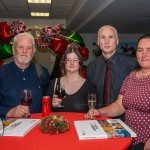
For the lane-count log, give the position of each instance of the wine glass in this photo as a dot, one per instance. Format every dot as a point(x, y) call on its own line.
point(26, 99)
point(1, 128)
point(91, 101)
point(60, 92)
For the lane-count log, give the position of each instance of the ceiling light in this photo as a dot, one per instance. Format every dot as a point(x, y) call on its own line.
point(39, 1)
point(39, 14)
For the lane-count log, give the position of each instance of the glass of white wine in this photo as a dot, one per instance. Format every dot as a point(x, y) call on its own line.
point(91, 101)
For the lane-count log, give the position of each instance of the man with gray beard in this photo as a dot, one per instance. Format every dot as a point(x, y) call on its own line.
point(21, 74)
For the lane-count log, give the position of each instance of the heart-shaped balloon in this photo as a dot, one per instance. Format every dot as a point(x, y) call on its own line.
point(58, 45)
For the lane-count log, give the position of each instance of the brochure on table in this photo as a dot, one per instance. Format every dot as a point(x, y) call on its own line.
point(18, 127)
point(98, 129)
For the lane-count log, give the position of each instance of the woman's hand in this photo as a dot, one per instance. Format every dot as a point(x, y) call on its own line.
point(113, 110)
point(147, 145)
point(56, 101)
point(92, 113)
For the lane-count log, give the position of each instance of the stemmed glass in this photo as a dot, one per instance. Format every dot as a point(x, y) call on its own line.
point(60, 92)
point(1, 128)
point(91, 101)
point(26, 99)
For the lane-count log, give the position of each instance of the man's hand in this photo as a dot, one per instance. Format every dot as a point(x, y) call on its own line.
point(18, 111)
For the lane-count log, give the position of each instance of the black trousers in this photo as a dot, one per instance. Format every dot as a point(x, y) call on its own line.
point(140, 146)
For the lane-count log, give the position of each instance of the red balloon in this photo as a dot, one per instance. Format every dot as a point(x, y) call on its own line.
point(1, 63)
point(5, 35)
point(4, 25)
point(84, 52)
point(83, 73)
point(58, 45)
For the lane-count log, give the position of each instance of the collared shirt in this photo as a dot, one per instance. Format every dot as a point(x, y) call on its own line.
point(120, 66)
point(13, 80)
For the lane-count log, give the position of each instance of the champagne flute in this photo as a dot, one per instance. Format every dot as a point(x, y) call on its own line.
point(60, 92)
point(26, 99)
point(91, 101)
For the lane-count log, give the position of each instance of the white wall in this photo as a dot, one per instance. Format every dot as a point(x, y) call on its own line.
point(128, 37)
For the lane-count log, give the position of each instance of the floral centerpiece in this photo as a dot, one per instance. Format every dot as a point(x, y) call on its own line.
point(54, 124)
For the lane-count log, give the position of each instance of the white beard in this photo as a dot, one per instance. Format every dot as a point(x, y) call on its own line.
point(19, 60)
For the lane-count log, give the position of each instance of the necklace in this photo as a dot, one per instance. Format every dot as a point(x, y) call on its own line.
point(72, 87)
point(75, 81)
point(144, 74)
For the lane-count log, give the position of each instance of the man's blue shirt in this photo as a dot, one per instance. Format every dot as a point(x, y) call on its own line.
point(13, 80)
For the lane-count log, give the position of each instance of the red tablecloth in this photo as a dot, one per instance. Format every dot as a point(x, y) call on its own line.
point(36, 140)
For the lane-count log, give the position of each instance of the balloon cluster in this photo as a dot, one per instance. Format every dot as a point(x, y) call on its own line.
point(97, 51)
point(54, 39)
point(50, 37)
point(7, 32)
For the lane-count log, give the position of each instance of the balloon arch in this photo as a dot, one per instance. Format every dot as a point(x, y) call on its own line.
point(48, 37)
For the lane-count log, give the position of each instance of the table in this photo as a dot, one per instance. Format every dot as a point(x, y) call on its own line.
point(36, 140)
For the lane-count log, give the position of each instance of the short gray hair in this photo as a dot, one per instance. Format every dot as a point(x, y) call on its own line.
point(26, 35)
point(116, 33)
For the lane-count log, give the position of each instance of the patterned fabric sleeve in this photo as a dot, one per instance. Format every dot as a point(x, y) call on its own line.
point(125, 82)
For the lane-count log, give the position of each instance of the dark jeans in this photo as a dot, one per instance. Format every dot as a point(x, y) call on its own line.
point(140, 146)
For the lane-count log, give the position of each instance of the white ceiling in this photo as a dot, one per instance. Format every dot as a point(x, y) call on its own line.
point(87, 16)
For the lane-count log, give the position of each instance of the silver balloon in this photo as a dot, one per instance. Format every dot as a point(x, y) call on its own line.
point(35, 31)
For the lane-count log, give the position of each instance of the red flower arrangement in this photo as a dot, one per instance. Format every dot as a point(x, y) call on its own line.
point(54, 124)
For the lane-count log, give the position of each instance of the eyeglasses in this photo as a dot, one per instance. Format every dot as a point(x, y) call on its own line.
point(75, 60)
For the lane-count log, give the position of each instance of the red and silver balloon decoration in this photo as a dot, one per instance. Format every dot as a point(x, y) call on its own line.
point(57, 28)
point(17, 27)
point(47, 34)
point(48, 37)
point(40, 43)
